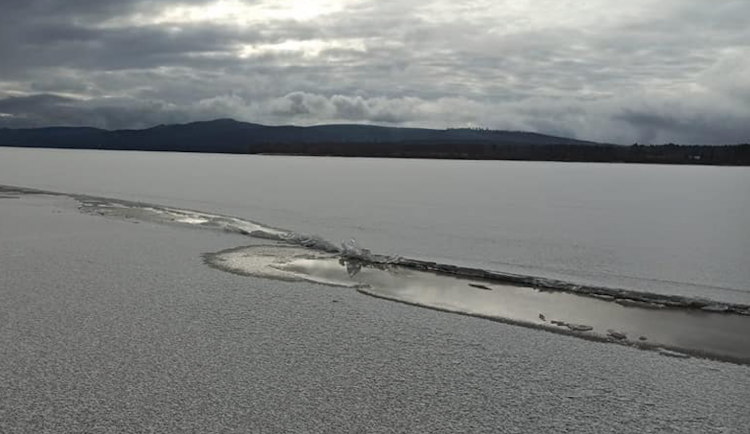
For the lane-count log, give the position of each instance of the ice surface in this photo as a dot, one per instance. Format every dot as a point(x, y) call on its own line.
point(114, 327)
point(677, 230)
point(351, 250)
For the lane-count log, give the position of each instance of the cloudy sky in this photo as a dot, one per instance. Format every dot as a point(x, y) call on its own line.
point(616, 71)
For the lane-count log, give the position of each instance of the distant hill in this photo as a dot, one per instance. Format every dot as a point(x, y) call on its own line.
point(230, 136)
point(227, 135)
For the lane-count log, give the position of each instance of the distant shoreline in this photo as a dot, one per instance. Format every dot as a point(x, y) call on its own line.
point(728, 155)
point(227, 136)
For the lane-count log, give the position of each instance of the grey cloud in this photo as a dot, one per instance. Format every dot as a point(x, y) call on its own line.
point(77, 9)
point(50, 110)
point(141, 47)
point(675, 74)
point(20, 105)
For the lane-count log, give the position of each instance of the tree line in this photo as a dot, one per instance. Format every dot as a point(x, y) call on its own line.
point(654, 154)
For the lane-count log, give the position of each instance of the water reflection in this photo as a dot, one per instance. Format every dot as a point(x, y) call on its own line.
point(710, 334)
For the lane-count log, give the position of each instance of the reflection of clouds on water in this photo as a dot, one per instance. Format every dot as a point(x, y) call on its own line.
point(708, 334)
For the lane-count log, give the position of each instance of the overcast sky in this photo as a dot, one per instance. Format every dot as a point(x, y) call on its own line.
point(616, 71)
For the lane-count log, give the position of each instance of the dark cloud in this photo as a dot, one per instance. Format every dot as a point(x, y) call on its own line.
point(51, 110)
point(62, 10)
point(640, 71)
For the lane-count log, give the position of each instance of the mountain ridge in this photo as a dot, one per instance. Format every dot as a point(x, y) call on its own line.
point(352, 140)
point(229, 135)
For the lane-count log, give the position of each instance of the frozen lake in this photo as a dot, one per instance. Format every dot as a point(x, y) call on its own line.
point(117, 325)
point(111, 326)
point(663, 229)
